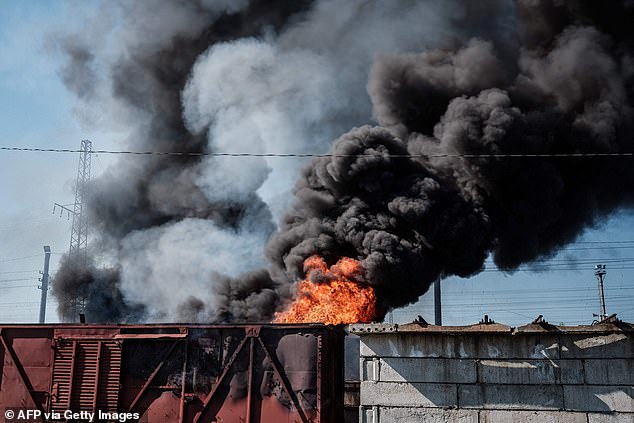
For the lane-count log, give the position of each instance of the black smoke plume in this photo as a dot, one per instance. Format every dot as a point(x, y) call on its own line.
point(163, 39)
point(79, 285)
point(440, 213)
point(480, 112)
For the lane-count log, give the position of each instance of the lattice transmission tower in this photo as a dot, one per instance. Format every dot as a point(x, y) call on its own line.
point(78, 251)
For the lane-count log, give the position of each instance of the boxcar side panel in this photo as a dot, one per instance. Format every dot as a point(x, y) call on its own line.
point(193, 373)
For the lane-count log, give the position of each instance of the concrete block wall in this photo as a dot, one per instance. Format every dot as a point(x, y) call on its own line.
point(493, 373)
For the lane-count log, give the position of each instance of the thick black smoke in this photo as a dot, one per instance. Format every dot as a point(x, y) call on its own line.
point(79, 285)
point(454, 87)
point(406, 224)
point(567, 90)
point(163, 41)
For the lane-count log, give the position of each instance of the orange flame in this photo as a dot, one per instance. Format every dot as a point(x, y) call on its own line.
point(340, 300)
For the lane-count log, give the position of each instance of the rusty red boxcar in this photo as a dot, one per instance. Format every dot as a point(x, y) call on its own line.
point(175, 373)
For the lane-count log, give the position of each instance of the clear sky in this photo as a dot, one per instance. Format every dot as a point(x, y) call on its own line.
point(37, 111)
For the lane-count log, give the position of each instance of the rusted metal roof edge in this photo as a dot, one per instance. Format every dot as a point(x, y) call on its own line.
point(490, 328)
point(167, 330)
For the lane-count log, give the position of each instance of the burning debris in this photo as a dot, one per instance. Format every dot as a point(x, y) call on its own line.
point(370, 201)
point(332, 295)
point(480, 110)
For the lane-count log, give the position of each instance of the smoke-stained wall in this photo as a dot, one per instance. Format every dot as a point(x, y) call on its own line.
point(455, 89)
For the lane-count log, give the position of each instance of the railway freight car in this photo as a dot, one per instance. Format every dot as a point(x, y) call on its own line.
point(173, 373)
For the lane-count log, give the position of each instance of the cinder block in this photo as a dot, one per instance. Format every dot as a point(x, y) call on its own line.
point(614, 345)
point(615, 371)
point(513, 416)
point(520, 346)
point(370, 368)
point(503, 346)
point(440, 370)
point(530, 372)
point(523, 397)
point(408, 394)
point(418, 345)
point(368, 414)
point(598, 398)
point(417, 415)
point(611, 418)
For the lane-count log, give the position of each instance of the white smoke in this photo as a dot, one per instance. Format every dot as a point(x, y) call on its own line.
point(162, 267)
point(296, 92)
point(291, 86)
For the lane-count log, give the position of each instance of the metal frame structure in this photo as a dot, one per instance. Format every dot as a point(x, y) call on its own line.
point(79, 231)
point(189, 374)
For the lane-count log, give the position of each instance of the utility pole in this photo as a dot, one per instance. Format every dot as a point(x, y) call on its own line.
point(437, 303)
point(44, 280)
point(79, 232)
point(599, 272)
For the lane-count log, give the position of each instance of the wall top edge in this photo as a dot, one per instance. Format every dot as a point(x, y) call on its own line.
point(489, 328)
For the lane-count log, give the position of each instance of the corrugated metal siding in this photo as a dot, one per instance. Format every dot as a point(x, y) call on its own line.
point(62, 369)
point(86, 375)
point(108, 392)
point(186, 373)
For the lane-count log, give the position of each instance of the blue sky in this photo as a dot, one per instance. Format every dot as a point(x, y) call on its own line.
point(569, 295)
point(37, 111)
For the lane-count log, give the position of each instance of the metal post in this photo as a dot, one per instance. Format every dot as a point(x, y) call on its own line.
point(250, 382)
point(437, 304)
point(44, 287)
point(181, 410)
point(599, 271)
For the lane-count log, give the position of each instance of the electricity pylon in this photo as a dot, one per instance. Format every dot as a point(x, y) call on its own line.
point(79, 232)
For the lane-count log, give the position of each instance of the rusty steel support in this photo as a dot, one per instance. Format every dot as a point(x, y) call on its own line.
point(72, 375)
point(250, 385)
point(152, 376)
point(18, 366)
point(97, 372)
point(319, 377)
point(221, 379)
point(285, 382)
point(52, 393)
point(252, 374)
point(181, 410)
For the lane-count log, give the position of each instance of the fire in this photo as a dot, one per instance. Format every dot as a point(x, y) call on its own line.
point(337, 300)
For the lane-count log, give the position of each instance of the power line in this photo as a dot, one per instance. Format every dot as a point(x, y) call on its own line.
point(300, 155)
point(19, 258)
point(18, 286)
point(585, 260)
point(540, 291)
point(604, 242)
point(540, 303)
point(544, 269)
point(16, 280)
point(545, 265)
point(616, 247)
point(22, 303)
